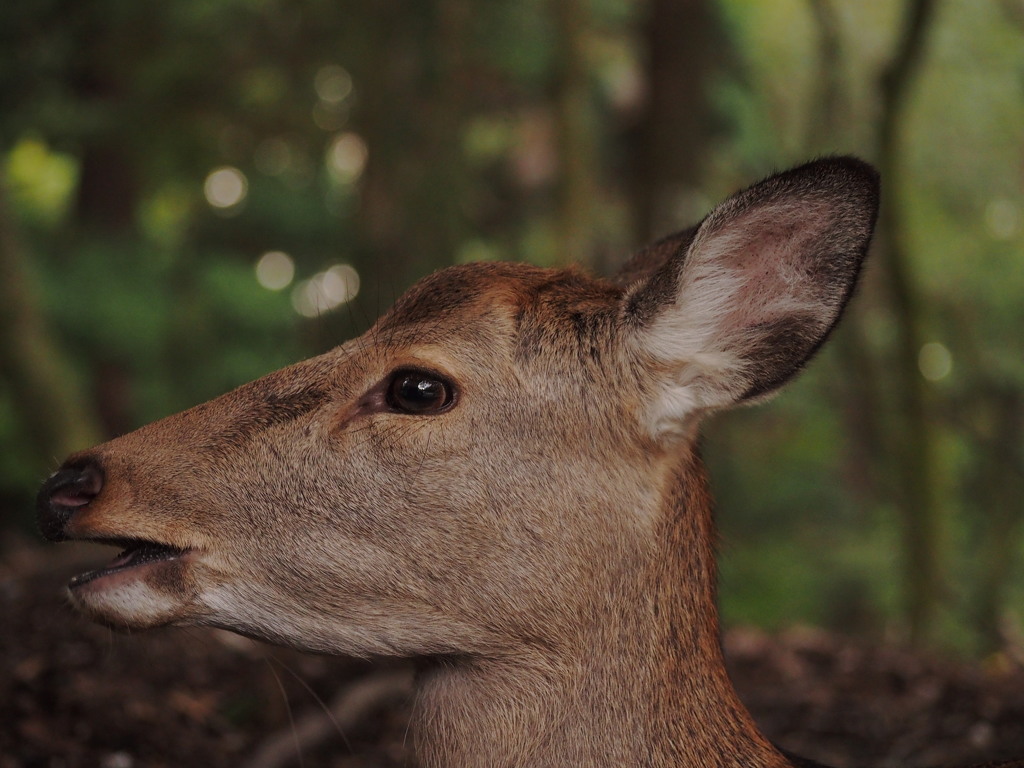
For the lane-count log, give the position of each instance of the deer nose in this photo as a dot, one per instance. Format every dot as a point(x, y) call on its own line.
point(68, 490)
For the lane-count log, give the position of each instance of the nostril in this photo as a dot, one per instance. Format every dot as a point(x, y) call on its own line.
point(76, 495)
point(67, 490)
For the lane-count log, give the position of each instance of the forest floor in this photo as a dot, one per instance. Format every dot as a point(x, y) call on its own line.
point(74, 694)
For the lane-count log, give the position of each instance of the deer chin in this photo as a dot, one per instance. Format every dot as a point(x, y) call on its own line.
point(147, 585)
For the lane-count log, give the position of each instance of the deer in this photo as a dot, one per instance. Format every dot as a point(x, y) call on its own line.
point(501, 479)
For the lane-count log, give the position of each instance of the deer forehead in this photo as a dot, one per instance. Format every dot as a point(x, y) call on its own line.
point(490, 316)
point(461, 297)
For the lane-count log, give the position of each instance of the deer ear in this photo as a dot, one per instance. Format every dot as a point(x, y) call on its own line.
point(729, 311)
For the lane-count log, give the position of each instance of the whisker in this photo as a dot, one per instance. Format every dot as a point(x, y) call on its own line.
point(288, 708)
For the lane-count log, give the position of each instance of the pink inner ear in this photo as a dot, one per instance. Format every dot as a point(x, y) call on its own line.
point(772, 262)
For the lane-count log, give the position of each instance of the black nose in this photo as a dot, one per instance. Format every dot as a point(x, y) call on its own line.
point(67, 490)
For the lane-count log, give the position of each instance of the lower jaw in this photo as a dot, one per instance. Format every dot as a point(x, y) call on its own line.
point(135, 597)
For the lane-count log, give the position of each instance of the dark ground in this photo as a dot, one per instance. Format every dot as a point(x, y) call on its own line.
point(74, 694)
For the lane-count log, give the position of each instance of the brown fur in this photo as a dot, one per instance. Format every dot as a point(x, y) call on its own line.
point(540, 544)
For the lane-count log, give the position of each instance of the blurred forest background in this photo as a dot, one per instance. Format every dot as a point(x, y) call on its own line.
point(197, 192)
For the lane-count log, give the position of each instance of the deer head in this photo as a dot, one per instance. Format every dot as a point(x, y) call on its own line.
point(498, 478)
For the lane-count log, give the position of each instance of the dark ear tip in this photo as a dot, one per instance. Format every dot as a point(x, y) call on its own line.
point(845, 170)
point(848, 163)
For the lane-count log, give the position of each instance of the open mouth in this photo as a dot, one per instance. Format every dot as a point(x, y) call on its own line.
point(135, 553)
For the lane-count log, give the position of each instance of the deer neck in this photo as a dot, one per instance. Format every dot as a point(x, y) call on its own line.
point(643, 685)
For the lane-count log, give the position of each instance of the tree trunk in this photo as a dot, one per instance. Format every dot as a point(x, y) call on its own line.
point(998, 490)
point(578, 184)
point(924, 536)
point(411, 107)
point(684, 46)
point(105, 206)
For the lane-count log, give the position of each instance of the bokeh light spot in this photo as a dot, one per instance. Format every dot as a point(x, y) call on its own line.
point(346, 157)
point(225, 187)
point(275, 270)
point(935, 361)
point(1003, 219)
point(326, 290)
point(333, 84)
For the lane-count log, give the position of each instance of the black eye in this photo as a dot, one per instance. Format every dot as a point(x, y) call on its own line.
point(419, 392)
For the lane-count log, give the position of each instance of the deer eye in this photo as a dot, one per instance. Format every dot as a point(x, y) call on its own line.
point(419, 392)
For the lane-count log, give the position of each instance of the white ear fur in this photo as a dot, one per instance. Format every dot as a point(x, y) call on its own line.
point(760, 286)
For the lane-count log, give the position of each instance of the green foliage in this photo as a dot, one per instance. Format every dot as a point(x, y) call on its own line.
point(40, 181)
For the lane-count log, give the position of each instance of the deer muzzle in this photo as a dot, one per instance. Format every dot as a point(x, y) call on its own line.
point(70, 507)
